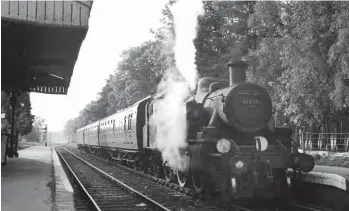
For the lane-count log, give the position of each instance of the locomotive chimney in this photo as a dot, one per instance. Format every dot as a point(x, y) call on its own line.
point(237, 72)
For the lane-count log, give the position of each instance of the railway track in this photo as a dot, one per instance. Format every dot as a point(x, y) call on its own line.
point(165, 185)
point(105, 192)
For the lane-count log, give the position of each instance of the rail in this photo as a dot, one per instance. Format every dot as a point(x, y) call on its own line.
point(122, 185)
point(79, 182)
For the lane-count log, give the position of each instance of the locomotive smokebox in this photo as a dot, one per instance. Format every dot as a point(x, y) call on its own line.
point(237, 72)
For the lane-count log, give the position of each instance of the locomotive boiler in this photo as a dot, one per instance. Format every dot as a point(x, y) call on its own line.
point(231, 146)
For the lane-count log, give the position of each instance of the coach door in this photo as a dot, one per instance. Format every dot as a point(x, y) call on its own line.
point(83, 136)
point(146, 126)
point(129, 138)
point(151, 128)
point(128, 129)
point(98, 132)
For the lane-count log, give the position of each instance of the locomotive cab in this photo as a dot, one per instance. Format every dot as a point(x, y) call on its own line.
point(207, 85)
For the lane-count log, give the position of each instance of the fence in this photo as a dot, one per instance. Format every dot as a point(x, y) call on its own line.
point(337, 142)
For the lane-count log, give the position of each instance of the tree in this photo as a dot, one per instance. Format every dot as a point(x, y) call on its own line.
point(23, 117)
point(223, 34)
point(303, 52)
point(300, 38)
point(70, 129)
point(37, 132)
point(138, 73)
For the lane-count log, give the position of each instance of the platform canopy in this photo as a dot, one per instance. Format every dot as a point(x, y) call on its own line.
point(40, 43)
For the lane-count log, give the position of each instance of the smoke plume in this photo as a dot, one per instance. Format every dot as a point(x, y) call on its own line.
point(170, 113)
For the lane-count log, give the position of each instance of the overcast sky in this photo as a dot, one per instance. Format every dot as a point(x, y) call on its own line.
point(114, 25)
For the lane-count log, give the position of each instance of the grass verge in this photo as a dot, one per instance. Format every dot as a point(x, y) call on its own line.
point(340, 159)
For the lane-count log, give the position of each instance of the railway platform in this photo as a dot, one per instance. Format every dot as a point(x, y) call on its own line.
point(333, 175)
point(327, 175)
point(35, 181)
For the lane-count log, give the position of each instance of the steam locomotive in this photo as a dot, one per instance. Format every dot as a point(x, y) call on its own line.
point(231, 146)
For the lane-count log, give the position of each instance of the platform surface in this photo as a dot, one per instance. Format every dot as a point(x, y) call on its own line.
point(326, 175)
point(27, 182)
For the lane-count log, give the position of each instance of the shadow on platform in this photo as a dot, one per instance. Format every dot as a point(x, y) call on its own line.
point(27, 181)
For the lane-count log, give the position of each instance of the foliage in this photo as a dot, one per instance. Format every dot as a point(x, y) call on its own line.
point(223, 35)
point(137, 74)
point(340, 159)
point(303, 51)
point(36, 134)
point(23, 117)
point(70, 129)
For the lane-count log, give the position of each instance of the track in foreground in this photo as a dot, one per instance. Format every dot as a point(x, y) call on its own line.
point(104, 191)
point(109, 167)
point(108, 193)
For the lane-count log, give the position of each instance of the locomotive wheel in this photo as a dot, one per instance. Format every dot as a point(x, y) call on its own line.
point(134, 166)
point(153, 168)
point(198, 181)
point(129, 164)
point(168, 173)
point(156, 170)
point(92, 151)
point(281, 189)
point(182, 178)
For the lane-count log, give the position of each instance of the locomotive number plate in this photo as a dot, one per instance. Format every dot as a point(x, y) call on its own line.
point(251, 99)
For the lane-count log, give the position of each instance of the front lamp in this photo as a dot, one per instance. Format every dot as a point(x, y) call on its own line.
point(239, 164)
point(223, 145)
point(261, 143)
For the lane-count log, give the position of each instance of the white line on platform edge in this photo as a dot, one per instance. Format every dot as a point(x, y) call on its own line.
point(326, 179)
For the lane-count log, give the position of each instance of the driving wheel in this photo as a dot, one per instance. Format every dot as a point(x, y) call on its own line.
point(168, 173)
point(198, 181)
point(182, 178)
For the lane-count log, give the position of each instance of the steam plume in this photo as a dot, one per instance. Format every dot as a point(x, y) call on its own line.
point(170, 114)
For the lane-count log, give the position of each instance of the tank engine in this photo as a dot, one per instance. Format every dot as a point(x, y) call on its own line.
point(234, 145)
